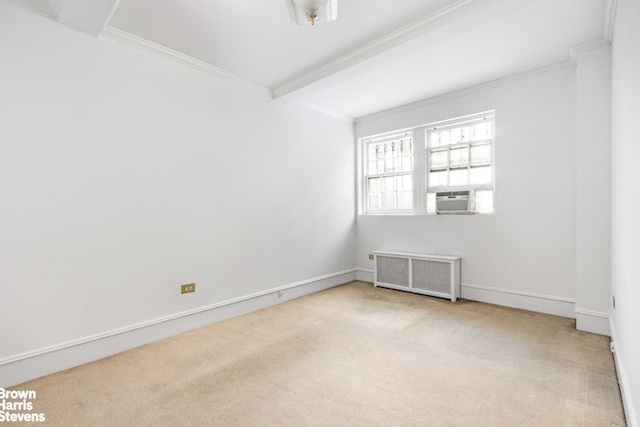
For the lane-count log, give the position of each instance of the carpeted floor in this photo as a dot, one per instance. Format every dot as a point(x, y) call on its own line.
point(354, 355)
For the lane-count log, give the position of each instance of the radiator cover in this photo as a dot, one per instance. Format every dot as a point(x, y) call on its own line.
point(435, 275)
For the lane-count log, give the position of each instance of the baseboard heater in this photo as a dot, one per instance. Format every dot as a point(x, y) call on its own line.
point(435, 275)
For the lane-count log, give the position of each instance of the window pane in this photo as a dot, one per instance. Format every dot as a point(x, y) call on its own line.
point(459, 156)
point(376, 151)
point(458, 177)
point(389, 200)
point(397, 164)
point(438, 139)
point(388, 165)
point(405, 200)
point(437, 178)
point(375, 201)
point(481, 175)
point(407, 164)
point(380, 168)
point(406, 147)
point(388, 183)
point(375, 185)
point(460, 134)
point(373, 167)
point(405, 182)
point(438, 159)
point(484, 201)
point(388, 150)
point(481, 131)
point(481, 153)
point(434, 139)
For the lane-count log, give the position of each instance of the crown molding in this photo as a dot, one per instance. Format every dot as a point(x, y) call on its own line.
point(610, 8)
point(492, 84)
point(409, 32)
point(577, 49)
point(146, 45)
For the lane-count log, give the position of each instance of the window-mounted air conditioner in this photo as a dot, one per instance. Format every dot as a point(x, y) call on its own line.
point(455, 202)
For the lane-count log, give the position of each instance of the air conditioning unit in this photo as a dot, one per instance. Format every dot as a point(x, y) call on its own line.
point(455, 202)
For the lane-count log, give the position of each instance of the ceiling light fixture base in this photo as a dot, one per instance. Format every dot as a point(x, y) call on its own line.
point(304, 12)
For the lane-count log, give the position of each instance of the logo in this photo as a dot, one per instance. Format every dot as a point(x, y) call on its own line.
point(17, 406)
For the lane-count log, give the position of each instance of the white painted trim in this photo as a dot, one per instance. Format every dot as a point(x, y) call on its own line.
point(623, 379)
point(26, 366)
point(409, 32)
point(482, 87)
point(592, 321)
point(548, 304)
point(608, 26)
point(146, 45)
point(587, 46)
point(364, 275)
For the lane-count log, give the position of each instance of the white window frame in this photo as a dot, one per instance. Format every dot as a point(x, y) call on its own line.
point(468, 165)
point(422, 190)
point(367, 174)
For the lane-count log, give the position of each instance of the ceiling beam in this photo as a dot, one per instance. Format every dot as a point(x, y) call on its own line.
point(379, 46)
point(90, 16)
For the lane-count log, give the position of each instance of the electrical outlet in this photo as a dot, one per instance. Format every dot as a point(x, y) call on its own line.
point(188, 288)
point(371, 257)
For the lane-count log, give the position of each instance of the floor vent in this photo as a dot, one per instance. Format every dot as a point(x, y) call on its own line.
point(435, 275)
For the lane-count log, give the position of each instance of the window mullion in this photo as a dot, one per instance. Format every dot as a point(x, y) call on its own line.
point(420, 167)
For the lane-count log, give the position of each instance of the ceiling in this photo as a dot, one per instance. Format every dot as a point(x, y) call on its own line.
point(378, 55)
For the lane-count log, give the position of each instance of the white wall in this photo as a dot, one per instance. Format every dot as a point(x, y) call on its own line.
point(593, 168)
point(525, 254)
point(625, 202)
point(124, 175)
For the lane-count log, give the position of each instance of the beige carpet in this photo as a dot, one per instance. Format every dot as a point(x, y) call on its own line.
point(354, 355)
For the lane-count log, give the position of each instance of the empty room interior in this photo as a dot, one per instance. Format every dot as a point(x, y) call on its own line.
point(306, 212)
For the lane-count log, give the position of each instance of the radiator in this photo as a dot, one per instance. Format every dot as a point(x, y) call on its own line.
point(435, 275)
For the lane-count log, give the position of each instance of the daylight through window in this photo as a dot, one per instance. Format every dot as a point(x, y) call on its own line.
point(389, 174)
point(451, 156)
point(460, 156)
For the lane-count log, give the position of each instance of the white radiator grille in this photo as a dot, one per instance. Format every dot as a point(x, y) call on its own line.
point(393, 270)
point(431, 275)
point(437, 275)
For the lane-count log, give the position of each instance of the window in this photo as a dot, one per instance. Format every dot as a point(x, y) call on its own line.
point(460, 156)
point(403, 171)
point(389, 174)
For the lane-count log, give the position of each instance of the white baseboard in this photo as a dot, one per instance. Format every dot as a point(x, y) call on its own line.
point(549, 304)
point(364, 275)
point(592, 321)
point(27, 366)
point(623, 379)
